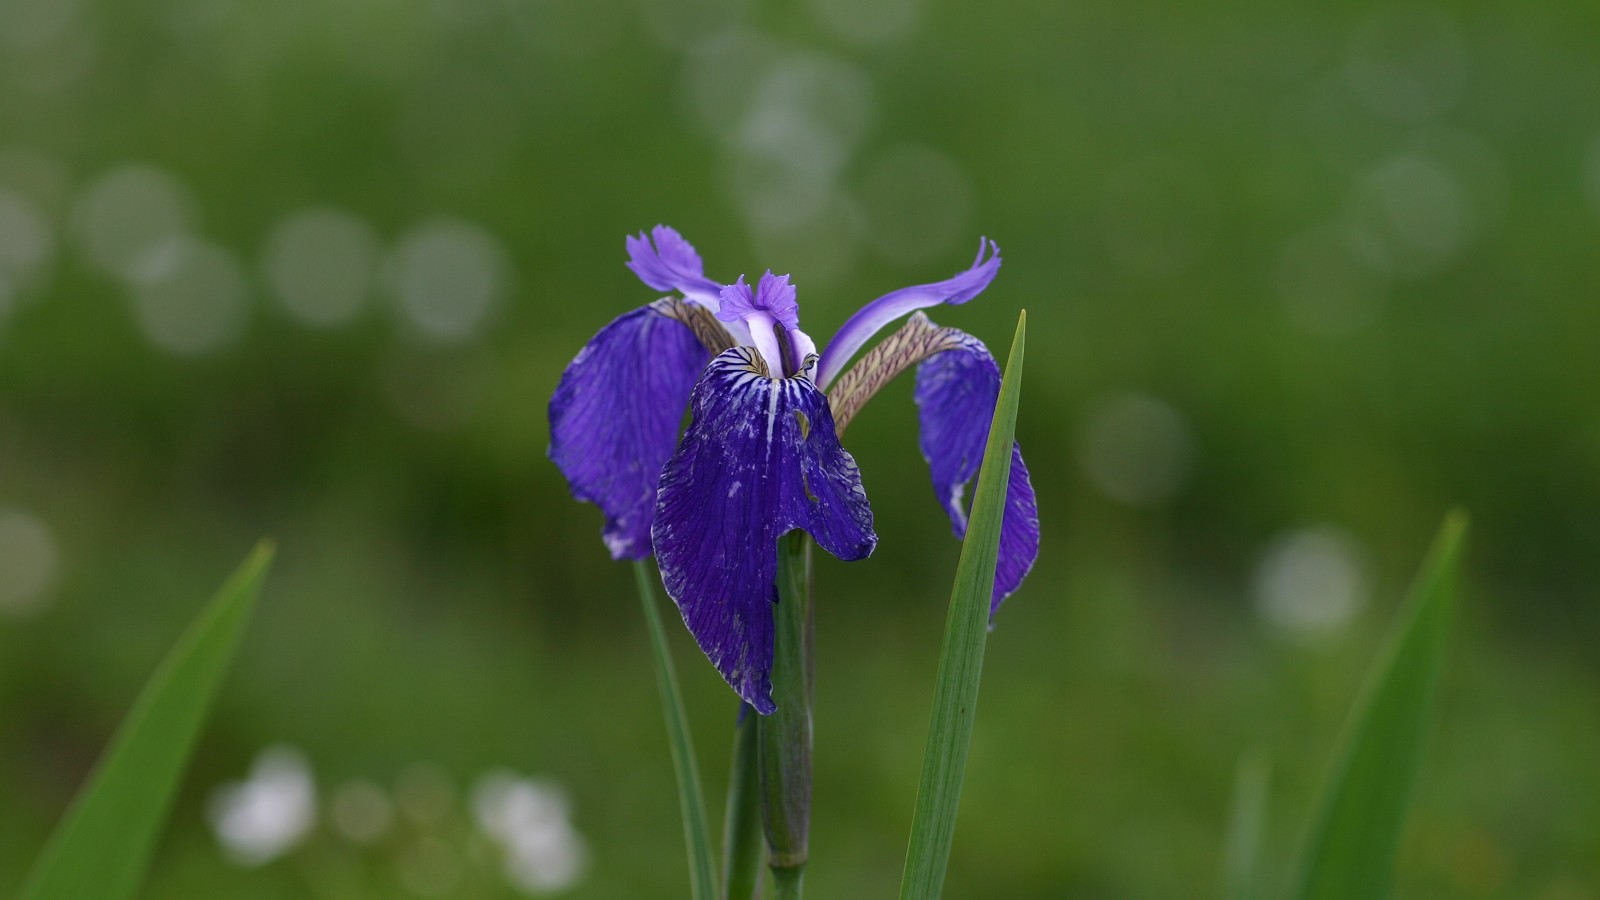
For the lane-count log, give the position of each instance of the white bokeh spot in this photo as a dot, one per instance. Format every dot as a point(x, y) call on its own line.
point(268, 814)
point(1312, 581)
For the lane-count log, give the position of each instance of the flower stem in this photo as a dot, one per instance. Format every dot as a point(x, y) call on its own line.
point(786, 883)
point(702, 877)
point(741, 825)
point(784, 738)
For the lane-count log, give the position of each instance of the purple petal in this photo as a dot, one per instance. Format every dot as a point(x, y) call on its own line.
point(773, 295)
point(671, 264)
point(875, 315)
point(760, 458)
point(614, 419)
point(956, 394)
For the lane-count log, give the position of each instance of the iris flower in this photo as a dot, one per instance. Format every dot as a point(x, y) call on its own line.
point(761, 455)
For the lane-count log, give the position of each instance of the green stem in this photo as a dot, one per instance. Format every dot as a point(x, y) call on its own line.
point(696, 834)
point(784, 738)
point(786, 883)
point(741, 832)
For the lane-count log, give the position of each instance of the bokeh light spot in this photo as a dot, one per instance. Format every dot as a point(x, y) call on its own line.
point(25, 23)
point(127, 213)
point(28, 563)
point(1135, 448)
point(867, 21)
point(447, 276)
point(191, 297)
point(1312, 581)
point(1408, 62)
point(320, 263)
point(265, 816)
point(361, 811)
point(531, 821)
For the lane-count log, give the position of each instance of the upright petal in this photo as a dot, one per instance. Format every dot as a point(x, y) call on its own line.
point(615, 414)
point(667, 262)
point(956, 393)
point(760, 458)
point(875, 315)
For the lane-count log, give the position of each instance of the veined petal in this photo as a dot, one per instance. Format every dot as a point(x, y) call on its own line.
point(667, 262)
point(760, 458)
point(956, 393)
point(875, 315)
point(615, 414)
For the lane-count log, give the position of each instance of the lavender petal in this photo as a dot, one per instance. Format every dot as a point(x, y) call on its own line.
point(667, 262)
point(871, 319)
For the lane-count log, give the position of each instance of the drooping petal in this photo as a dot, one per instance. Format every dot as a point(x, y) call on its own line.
point(615, 414)
point(860, 328)
point(760, 458)
point(667, 262)
point(956, 393)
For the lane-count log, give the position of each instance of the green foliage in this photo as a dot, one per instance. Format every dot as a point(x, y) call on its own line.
point(741, 827)
point(1241, 875)
point(1355, 835)
point(955, 697)
point(691, 799)
point(783, 739)
point(103, 846)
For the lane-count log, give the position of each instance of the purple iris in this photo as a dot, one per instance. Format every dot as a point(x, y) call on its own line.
point(761, 456)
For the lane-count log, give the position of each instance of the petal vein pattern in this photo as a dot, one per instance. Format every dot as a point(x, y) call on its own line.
point(615, 414)
point(760, 458)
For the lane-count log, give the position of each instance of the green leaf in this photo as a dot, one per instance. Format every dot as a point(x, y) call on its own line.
point(1351, 846)
point(955, 697)
point(1241, 876)
point(103, 846)
point(691, 799)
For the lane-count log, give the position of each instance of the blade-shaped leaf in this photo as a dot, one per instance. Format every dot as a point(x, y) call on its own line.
point(103, 846)
point(1354, 838)
point(691, 799)
point(955, 696)
point(1241, 875)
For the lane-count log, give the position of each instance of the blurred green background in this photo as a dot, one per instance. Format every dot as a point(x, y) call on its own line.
point(1299, 278)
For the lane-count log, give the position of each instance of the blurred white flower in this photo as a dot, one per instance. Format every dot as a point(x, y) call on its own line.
point(529, 819)
point(266, 815)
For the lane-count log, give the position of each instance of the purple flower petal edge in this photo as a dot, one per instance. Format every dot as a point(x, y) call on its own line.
point(872, 318)
point(956, 394)
point(614, 419)
point(667, 262)
point(760, 458)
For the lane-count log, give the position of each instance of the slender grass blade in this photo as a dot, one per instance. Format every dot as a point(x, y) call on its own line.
point(103, 846)
point(955, 697)
point(1242, 878)
point(1354, 838)
point(691, 799)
